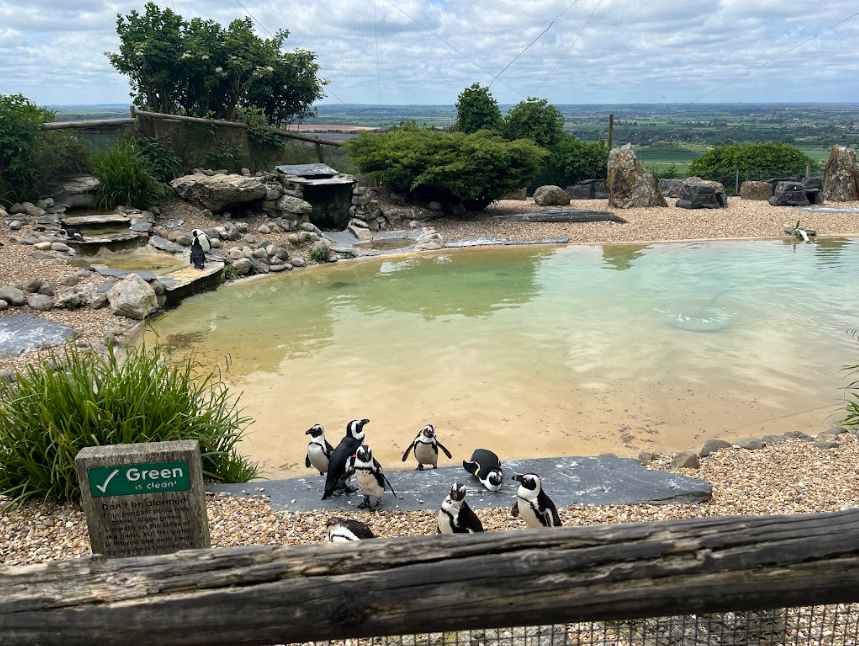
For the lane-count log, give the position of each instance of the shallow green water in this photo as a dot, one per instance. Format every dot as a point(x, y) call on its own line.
point(158, 262)
point(537, 351)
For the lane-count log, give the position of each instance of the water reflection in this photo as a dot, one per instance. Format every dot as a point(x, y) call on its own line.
point(828, 250)
point(621, 257)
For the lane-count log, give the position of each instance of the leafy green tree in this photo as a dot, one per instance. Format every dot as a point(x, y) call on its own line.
point(753, 161)
point(473, 169)
point(201, 69)
point(572, 161)
point(535, 119)
point(476, 109)
point(20, 133)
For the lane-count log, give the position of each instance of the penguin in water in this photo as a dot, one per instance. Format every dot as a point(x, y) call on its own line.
point(339, 456)
point(426, 446)
point(371, 479)
point(455, 516)
point(198, 256)
point(344, 530)
point(532, 504)
point(70, 233)
point(203, 239)
point(486, 467)
point(318, 449)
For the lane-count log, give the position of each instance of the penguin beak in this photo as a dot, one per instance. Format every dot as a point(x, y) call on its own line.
point(308, 431)
point(517, 478)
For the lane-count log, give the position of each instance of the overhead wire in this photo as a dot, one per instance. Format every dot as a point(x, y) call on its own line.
point(755, 69)
point(378, 74)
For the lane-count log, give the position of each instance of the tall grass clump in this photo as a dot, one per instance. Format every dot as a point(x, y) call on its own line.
point(851, 392)
point(78, 398)
point(127, 177)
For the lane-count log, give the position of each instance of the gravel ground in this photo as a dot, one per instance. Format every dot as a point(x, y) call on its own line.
point(789, 478)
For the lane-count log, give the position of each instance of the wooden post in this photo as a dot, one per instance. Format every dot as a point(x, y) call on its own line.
point(267, 594)
point(807, 171)
point(132, 112)
point(610, 130)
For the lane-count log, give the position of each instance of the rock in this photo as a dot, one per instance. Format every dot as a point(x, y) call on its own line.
point(645, 457)
point(686, 460)
point(15, 209)
point(670, 187)
point(756, 190)
point(157, 287)
point(711, 446)
point(309, 227)
point(242, 266)
point(304, 236)
point(813, 195)
point(293, 238)
point(70, 281)
point(41, 255)
point(272, 194)
point(215, 243)
point(78, 191)
point(264, 229)
point(283, 254)
point(32, 210)
point(297, 262)
point(293, 205)
point(629, 184)
point(132, 297)
point(551, 195)
point(216, 192)
point(246, 172)
point(47, 289)
point(798, 435)
point(7, 374)
point(33, 286)
point(260, 253)
point(518, 194)
point(435, 206)
point(841, 177)
point(165, 245)
point(749, 443)
point(83, 273)
point(59, 246)
point(835, 430)
point(235, 254)
point(141, 227)
point(46, 203)
point(184, 240)
point(701, 196)
point(15, 225)
point(822, 444)
point(241, 227)
point(40, 302)
point(13, 296)
point(21, 333)
point(275, 267)
point(3, 305)
point(43, 246)
point(789, 194)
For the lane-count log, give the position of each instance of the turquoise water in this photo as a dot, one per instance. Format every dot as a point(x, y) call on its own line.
point(536, 351)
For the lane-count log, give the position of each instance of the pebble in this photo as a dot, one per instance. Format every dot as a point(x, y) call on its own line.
point(59, 246)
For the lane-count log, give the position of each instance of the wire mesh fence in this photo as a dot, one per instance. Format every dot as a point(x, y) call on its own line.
point(829, 625)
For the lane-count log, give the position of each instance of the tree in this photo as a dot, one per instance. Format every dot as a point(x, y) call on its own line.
point(537, 120)
point(753, 161)
point(476, 109)
point(201, 69)
point(20, 132)
point(572, 161)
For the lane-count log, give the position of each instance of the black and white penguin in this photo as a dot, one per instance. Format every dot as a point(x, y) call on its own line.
point(426, 446)
point(532, 504)
point(455, 516)
point(198, 256)
point(486, 467)
point(340, 455)
point(344, 530)
point(200, 235)
point(371, 479)
point(70, 233)
point(318, 450)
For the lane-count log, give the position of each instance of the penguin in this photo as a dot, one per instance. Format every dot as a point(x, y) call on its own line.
point(455, 516)
point(426, 446)
point(198, 256)
point(532, 504)
point(318, 449)
point(339, 456)
point(71, 233)
point(486, 467)
point(200, 235)
point(371, 479)
point(344, 530)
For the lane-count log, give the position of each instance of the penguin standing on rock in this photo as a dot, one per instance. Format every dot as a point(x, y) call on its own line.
point(340, 455)
point(532, 504)
point(344, 530)
point(371, 479)
point(455, 516)
point(203, 239)
point(486, 467)
point(198, 256)
point(426, 446)
point(318, 449)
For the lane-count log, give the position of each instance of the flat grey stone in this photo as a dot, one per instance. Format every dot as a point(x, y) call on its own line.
point(798, 435)
point(165, 245)
point(94, 220)
point(822, 444)
point(173, 224)
point(750, 444)
point(141, 227)
point(827, 209)
point(711, 446)
point(307, 170)
point(110, 272)
point(561, 215)
point(585, 480)
point(835, 430)
point(21, 333)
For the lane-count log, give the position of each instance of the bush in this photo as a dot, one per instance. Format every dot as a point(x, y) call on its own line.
point(320, 254)
point(476, 109)
point(571, 161)
point(474, 169)
point(753, 161)
point(535, 119)
point(164, 164)
point(59, 154)
point(226, 156)
point(81, 399)
point(126, 177)
point(20, 131)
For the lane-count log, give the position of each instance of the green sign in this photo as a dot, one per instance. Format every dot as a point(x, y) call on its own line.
point(129, 479)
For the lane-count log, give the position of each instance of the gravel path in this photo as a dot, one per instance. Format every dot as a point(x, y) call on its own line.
point(788, 478)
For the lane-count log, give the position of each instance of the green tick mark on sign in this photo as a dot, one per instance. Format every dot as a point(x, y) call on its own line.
point(130, 479)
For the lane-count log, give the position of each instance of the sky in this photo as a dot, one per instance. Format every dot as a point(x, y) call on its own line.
point(396, 52)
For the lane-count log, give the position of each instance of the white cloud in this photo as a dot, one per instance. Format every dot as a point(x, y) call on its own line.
point(418, 51)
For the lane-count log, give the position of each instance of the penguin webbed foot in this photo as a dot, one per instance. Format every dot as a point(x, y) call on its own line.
point(365, 504)
point(420, 467)
point(378, 504)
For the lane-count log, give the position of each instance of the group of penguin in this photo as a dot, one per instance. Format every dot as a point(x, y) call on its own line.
point(353, 457)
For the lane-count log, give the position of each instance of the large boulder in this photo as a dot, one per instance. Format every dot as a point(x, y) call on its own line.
point(588, 189)
point(629, 184)
point(132, 297)
point(293, 205)
point(701, 196)
point(841, 177)
point(551, 195)
point(789, 194)
point(756, 191)
point(216, 192)
point(671, 187)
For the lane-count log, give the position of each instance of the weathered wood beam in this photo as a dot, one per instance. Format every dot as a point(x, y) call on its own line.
point(179, 117)
point(294, 135)
point(262, 595)
point(87, 123)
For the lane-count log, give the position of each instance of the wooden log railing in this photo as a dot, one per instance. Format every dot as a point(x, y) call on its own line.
point(263, 595)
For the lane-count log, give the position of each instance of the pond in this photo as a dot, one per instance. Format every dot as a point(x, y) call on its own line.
point(535, 351)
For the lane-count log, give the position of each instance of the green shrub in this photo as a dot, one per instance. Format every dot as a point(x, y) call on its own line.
point(226, 156)
point(571, 161)
point(535, 119)
point(165, 164)
point(20, 130)
point(753, 161)
point(126, 177)
point(474, 169)
point(59, 154)
point(476, 109)
point(78, 399)
point(320, 253)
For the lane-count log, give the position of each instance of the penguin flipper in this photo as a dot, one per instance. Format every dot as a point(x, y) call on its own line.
point(346, 475)
point(471, 467)
point(328, 449)
point(446, 452)
point(307, 460)
point(515, 511)
point(408, 450)
point(388, 482)
point(556, 520)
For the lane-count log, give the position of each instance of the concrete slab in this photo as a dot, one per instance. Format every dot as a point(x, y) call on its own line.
point(21, 333)
point(183, 282)
point(586, 480)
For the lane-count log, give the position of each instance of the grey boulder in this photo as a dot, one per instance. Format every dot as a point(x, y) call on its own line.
point(551, 195)
point(132, 297)
point(215, 192)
